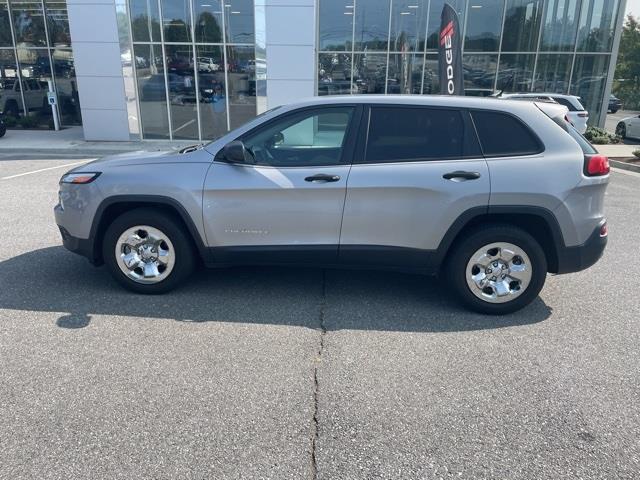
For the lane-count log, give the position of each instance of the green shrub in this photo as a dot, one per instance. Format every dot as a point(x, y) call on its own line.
point(10, 122)
point(600, 136)
point(636, 153)
point(28, 121)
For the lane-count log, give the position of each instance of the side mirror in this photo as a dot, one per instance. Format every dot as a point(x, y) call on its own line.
point(236, 152)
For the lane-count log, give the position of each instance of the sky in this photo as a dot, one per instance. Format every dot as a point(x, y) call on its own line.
point(633, 7)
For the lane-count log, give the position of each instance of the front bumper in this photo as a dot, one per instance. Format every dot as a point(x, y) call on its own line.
point(581, 257)
point(81, 246)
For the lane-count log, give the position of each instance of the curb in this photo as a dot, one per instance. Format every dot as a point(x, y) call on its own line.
point(624, 165)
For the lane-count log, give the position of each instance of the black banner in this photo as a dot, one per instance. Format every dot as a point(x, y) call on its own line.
point(450, 53)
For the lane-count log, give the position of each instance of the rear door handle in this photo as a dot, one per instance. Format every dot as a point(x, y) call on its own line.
point(322, 177)
point(459, 175)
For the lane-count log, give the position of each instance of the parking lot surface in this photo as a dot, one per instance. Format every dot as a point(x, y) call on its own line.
point(307, 373)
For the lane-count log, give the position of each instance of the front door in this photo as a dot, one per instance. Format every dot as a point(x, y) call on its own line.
point(287, 205)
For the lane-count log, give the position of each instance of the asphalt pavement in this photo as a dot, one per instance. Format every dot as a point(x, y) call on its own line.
point(272, 373)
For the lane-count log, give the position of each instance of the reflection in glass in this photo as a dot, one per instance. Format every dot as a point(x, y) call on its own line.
point(515, 72)
point(521, 25)
point(66, 86)
point(597, 25)
point(182, 91)
point(176, 20)
point(552, 73)
point(483, 25)
point(239, 20)
point(213, 99)
point(242, 84)
point(5, 27)
point(208, 18)
point(479, 74)
point(151, 91)
point(58, 23)
point(336, 24)
point(28, 23)
point(10, 98)
point(435, 10)
point(35, 70)
point(405, 74)
point(372, 25)
point(145, 20)
point(431, 82)
point(369, 73)
point(334, 74)
point(560, 24)
point(589, 80)
point(408, 25)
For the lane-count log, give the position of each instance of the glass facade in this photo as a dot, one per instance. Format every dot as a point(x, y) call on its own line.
point(390, 46)
point(192, 66)
point(35, 48)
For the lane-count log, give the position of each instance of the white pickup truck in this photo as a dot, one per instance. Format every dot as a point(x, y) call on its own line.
point(35, 96)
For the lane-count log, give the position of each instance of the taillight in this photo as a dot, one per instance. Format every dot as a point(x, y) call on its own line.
point(596, 165)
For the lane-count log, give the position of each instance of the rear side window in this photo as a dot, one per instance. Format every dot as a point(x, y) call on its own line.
point(586, 147)
point(503, 135)
point(566, 103)
point(398, 134)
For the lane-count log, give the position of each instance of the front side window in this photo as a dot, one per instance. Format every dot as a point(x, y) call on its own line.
point(308, 138)
point(399, 134)
point(503, 135)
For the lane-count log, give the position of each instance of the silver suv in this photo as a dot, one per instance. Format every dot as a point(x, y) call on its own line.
point(489, 194)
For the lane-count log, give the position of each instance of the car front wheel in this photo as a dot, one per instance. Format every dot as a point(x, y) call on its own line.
point(621, 130)
point(147, 251)
point(497, 269)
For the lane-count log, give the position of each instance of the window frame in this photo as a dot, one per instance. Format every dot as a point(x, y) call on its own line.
point(348, 143)
point(470, 139)
point(536, 137)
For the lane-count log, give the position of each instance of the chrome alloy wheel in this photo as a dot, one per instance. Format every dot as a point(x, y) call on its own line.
point(498, 272)
point(145, 254)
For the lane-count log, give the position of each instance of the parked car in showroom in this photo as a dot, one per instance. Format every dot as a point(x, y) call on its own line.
point(615, 104)
point(488, 194)
point(629, 127)
point(577, 115)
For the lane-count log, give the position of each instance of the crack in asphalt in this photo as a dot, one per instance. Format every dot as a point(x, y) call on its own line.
point(318, 359)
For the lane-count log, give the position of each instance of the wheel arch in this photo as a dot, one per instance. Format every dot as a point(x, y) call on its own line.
point(112, 207)
point(539, 222)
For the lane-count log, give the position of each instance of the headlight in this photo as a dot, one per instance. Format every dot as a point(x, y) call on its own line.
point(79, 177)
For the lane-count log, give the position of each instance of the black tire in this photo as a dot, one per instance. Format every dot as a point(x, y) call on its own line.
point(11, 109)
point(463, 250)
point(614, 110)
point(172, 227)
point(621, 129)
point(3, 129)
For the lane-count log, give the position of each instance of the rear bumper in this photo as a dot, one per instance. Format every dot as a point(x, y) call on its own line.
point(581, 257)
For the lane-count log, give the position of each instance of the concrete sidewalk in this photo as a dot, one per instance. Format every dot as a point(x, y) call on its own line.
point(71, 141)
point(617, 151)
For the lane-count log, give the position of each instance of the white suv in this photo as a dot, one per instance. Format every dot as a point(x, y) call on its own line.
point(577, 115)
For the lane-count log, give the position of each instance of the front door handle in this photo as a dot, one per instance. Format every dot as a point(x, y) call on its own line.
point(322, 177)
point(460, 175)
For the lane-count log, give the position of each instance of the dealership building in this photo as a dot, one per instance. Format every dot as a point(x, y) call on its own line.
point(193, 69)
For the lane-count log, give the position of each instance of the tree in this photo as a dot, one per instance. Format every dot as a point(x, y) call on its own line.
point(627, 75)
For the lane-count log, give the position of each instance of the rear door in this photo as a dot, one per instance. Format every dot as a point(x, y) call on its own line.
point(416, 171)
point(287, 206)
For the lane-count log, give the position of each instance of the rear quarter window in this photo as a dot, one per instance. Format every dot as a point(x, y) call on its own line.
point(503, 135)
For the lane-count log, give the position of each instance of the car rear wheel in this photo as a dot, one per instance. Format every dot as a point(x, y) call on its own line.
point(621, 129)
point(497, 269)
point(147, 251)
